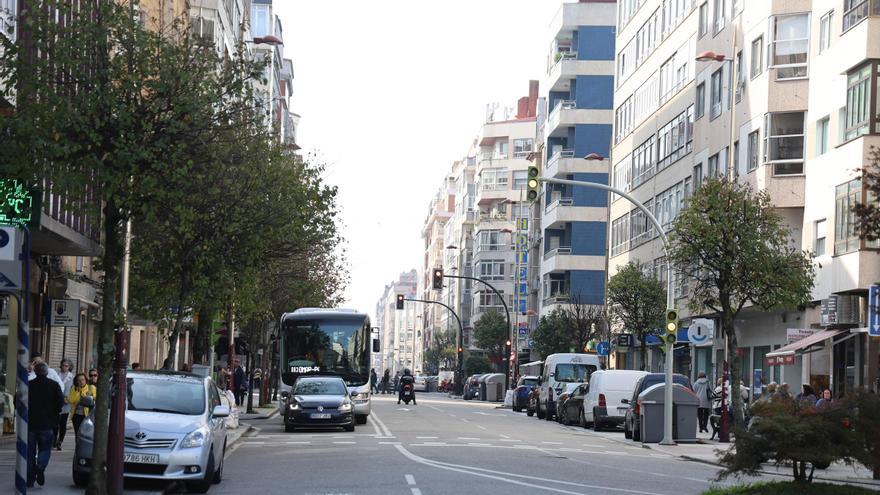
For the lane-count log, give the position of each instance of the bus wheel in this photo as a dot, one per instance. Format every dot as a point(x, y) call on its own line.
point(361, 419)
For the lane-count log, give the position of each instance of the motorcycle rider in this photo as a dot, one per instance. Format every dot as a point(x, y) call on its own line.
point(407, 379)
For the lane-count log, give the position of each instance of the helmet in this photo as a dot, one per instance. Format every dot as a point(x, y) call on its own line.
point(406, 371)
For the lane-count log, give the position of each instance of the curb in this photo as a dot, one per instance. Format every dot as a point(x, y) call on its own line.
point(871, 483)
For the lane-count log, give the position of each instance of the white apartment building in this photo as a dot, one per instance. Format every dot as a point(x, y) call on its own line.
point(399, 333)
point(440, 211)
point(677, 120)
point(459, 248)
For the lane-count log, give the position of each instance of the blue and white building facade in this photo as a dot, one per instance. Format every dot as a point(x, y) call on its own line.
point(573, 226)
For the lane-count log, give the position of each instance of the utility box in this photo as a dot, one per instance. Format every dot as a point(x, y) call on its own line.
point(495, 387)
point(684, 413)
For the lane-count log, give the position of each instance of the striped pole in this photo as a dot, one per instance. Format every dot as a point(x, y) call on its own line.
point(21, 403)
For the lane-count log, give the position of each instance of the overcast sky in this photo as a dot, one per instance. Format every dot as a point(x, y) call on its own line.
point(391, 92)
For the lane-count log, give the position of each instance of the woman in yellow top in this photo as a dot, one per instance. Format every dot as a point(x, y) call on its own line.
point(81, 388)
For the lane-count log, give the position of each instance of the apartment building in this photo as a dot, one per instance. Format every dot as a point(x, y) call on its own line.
point(399, 334)
point(440, 210)
point(763, 115)
point(459, 249)
point(571, 223)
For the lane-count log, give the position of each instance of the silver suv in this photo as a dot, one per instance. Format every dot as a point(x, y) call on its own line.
point(174, 430)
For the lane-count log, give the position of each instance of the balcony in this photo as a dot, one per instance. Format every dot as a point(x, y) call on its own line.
point(562, 250)
point(562, 211)
point(563, 71)
point(557, 203)
point(562, 260)
point(565, 114)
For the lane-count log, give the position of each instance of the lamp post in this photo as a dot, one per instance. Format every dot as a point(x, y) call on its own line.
point(670, 301)
point(710, 56)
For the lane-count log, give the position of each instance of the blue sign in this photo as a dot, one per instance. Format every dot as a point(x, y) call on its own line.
point(602, 348)
point(523, 273)
point(522, 305)
point(523, 289)
point(874, 311)
point(758, 381)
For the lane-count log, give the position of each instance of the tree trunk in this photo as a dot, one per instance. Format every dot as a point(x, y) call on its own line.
point(250, 379)
point(113, 252)
point(643, 351)
point(182, 299)
point(201, 340)
point(735, 395)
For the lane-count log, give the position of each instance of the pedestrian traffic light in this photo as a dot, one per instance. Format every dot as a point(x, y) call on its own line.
point(671, 325)
point(400, 299)
point(438, 279)
point(533, 184)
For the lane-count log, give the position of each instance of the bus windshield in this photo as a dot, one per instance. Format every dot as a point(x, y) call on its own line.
point(326, 346)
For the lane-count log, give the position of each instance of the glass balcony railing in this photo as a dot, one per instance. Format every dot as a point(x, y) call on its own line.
point(559, 154)
point(559, 202)
point(562, 250)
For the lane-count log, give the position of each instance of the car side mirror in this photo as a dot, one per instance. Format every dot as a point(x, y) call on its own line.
point(375, 345)
point(285, 395)
point(220, 411)
point(624, 401)
point(87, 401)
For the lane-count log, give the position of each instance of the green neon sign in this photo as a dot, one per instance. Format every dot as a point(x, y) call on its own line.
point(19, 204)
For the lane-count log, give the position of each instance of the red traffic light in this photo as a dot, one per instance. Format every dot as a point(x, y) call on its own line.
point(507, 343)
point(400, 299)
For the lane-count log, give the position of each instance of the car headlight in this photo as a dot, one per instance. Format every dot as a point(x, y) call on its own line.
point(294, 406)
point(194, 438)
point(87, 429)
point(345, 407)
point(362, 396)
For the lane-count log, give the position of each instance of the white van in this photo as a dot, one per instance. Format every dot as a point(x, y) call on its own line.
point(560, 369)
point(602, 403)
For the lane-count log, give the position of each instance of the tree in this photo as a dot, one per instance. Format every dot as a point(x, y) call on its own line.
point(105, 112)
point(862, 407)
point(567, 328)
point(491, 333)
point(735, 250)
point(475, 364)
point(442, 352)
point(868, 213)
point(551, 334)
point(638, 303)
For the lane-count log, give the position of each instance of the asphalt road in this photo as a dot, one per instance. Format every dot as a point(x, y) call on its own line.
point(443, 446)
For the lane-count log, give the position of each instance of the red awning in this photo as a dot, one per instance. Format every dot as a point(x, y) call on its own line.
point(804, 343)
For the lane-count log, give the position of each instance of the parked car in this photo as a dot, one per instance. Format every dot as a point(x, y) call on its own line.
point(175, 429)
point(560, 369)
point(562, 398)
point(631, 418)
point(570, 410)
point(605, 401)
point(420, 383)
point(524, 387)
point(532, 401)
point(472, 387)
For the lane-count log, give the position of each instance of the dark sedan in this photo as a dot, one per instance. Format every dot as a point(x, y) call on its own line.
point(319, 401)
point(521, 394)
point(570, 410)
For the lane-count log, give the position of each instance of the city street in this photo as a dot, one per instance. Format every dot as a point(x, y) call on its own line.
point(445, 446)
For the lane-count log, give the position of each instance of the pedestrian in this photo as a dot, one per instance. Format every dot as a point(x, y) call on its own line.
point(37, 358)
point(258, 378)
point(93, 377)
point(238, 382)
point(826, 401)
point(701, 388)
point(807, 396)
point(81, 388)
point(782, 391)
point(45, 401)
point(396, 381)
point(66, 375)
point(374, 387)
point(386, 378)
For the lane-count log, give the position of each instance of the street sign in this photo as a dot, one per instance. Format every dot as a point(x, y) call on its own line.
point(522, 257)
point(523, 331)
point(792, 335)
point(874, 311)
point(701, 331)
point(10, 265)
point(19, 205)
point(779, 360)
point(602, 348)
point(522, 239)
point(522, 305)
point(523, 224)
point(625, 340)
point(65, 313)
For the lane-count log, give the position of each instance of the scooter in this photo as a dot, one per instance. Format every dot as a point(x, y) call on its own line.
point(407, 394)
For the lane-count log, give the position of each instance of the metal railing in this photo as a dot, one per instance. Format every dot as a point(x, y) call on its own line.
point(557, 299)
point(558, 251)
point(559, 202)
point(564, 105)
point(563, 153)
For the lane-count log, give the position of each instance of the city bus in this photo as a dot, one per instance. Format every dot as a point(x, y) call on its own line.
point(335, 342)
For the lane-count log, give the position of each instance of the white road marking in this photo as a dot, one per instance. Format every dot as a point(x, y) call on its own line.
point(481, 427)
point(472, 444)
point(345, 443)
point(468, 438)
point(297, 443)
point(402, 409)
point(426, 438)
point(552, 443)
point(385, 431)
point(506, 477)
point(415, 491)
point(389, 443)
point(503, 436)
point(410, 480)
point(434, 408)
point(510, 440)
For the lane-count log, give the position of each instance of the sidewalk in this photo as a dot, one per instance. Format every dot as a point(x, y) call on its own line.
point(705, 451)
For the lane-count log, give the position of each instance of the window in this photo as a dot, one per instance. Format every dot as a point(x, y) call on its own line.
point(700, 104)
point(858, 102)
point(643, 162)
point(753, 150)
point(846, 239)
point(522, 147)
point(491, 270)
point(736, 157)
point(494, 179)
point(784, 142)
point(620, 235)
point(822, 136)
point(715, 95)
point(791, 41)
point(500, 149)
point(520, 210)
point(640, 227)
point(704, 19)
point(740, 76)
point(675, 139)
point(520, 178)
point(757, 56)
point(673, 75)
point(622, 178)
point(819, 237)
point(718, 11)
point(698, 176)
point(488, 300)
point(668, 205)
point(647, 38)
point(853, 12)
point(489, 240)
point(713, 165)
point(623, 120)
point(260, 15)
point(825, 31)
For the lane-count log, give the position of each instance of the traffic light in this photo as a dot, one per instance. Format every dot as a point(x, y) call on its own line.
point(534, 184)
point(461, 349)
point(400, 299)
point(438, 279)
point(671, 325)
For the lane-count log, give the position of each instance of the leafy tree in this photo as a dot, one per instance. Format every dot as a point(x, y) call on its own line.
point(862, 407)
point(551, 334)
point(491, 333)
point(567, 328)
point(868, 214)
point(475, 363)
point(638, 303)
point(442, 353)
point(735, 250)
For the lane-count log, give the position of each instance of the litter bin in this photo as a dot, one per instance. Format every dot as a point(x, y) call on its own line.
point(684, 413)
point(430, 385)
point(482, 381)
point(495, 387)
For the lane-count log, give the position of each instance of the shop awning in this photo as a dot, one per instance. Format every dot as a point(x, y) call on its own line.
point(805, 343)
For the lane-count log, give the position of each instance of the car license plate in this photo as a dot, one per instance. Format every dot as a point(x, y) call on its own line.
point(320, 416)
point(142, 458)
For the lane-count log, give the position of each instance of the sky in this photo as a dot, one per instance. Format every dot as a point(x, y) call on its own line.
point(391, 92)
